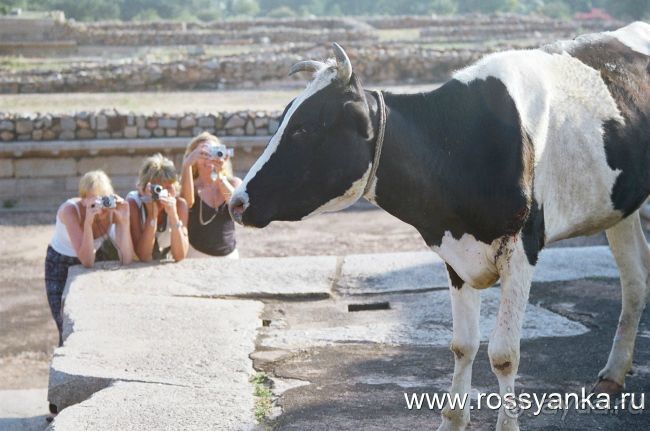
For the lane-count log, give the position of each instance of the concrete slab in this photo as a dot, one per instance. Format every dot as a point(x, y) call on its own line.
point(248, 278)
point(23, 410)
point(148, 406)
point(185, 342)
point(363, 386)
point(422, 318)
point(402, 272)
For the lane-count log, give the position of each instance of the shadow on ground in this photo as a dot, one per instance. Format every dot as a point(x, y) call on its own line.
point(361, 387)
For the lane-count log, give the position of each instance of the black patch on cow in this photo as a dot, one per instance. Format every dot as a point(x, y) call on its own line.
point(532, 235)
point(456, 281)
point(627, 146)
point(456, 159)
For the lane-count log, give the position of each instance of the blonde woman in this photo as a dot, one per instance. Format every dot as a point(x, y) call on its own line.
point(83, 224)
point(158, 217)
point(207, 186)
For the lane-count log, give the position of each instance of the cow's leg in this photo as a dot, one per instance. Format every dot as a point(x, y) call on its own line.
point(465, 311)
point(503, 349)
point(632, 257)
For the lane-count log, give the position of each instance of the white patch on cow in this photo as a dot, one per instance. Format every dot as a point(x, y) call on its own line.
point(348, 198)
point(636, 36)
point(562, 104)
point(322, 79)
point(470, 258)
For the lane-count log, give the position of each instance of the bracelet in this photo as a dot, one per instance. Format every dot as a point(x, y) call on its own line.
point(178, 225)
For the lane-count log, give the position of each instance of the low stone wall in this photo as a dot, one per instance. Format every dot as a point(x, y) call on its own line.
point(112, 124)
point(470, 20)
point(378, 63)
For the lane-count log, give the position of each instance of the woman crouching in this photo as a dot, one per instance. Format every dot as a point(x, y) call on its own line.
point(207, 186)
point(158, 218)
point(87, 227)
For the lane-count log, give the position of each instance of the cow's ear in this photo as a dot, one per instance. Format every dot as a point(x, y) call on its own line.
point(357, 114)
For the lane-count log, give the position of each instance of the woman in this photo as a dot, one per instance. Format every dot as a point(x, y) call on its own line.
point(158, 218)
point(83, 224)
point(207, 186)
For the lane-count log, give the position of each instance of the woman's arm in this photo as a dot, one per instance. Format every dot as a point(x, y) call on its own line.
point(177, 215)
point(121, 216)
point(143, 237)
point(80, 233)
point(227, 187)
point(187, 179)
point(187, 183)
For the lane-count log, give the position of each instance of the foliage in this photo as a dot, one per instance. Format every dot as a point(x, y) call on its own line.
point(92, 10)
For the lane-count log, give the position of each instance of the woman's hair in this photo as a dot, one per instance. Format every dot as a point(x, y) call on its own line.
point(156, 167)
point(210, 138)
point(95, 182)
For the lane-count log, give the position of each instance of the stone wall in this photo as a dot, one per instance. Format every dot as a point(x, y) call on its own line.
point(112, 124)
point(379, 63)
point(43, 174)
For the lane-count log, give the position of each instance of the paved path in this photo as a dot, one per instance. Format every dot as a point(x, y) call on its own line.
point(173, 346)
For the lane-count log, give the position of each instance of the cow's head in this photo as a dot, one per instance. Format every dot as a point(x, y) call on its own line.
point(319, 159)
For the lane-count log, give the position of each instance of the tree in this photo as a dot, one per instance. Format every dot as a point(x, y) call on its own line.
point(487, 6)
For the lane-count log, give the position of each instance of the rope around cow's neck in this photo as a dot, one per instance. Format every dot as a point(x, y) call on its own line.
point(379, 143)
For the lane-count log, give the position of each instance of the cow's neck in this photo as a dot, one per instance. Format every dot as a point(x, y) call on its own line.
point(408, 184)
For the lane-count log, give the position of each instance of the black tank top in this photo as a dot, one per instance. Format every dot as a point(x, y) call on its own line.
point(216, 238)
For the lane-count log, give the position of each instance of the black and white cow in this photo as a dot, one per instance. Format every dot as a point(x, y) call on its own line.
point(516, 151)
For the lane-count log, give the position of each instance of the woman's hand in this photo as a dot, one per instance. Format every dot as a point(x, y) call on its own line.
point(92, 210)
point(169, 206)
point(202, 151)
point(121, 211)
point(150, 205)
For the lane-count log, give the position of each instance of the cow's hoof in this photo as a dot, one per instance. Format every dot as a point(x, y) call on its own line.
point(609, 387)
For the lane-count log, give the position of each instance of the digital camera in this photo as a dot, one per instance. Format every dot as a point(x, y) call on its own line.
point(108, 202)
point(158, 191)
point(221, 152)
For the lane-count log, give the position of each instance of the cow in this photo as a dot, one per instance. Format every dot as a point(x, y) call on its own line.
point(514, 152)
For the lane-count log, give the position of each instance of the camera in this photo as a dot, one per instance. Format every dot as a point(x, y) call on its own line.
point(107, 202)
point(221, 152)
point(158, 191)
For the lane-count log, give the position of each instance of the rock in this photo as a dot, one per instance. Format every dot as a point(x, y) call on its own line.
point(85, 134)
point(168, 123)
point(7, 136)
point(24, 126)
point(187, 122)
point(68, 123)
point(6, 125)
point(144, 133)
point(206, 122)
point(234, 122)
point(130, 132)
point(101, 122)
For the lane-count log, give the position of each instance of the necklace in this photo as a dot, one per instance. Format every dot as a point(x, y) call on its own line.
point(203, 222)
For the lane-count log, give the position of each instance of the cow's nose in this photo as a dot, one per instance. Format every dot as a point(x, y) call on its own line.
point(237, 206)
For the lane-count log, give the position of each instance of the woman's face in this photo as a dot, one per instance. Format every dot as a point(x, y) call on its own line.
point(207, 164)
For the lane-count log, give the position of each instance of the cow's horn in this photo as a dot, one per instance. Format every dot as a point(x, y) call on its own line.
point(306, 66)
point(343, 65)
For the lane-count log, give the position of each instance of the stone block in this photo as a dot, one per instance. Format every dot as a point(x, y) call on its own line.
point(168, 123)
point(24, 126)
point(112, 165)
point(42, 167)
point(6, 168)
point(130, 132)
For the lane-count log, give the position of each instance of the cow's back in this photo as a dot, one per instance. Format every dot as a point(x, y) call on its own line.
point(586, 106)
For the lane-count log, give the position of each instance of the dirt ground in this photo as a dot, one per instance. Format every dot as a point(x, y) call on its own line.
point(28, 333)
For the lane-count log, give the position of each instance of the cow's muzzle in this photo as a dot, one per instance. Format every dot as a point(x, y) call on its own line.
point(237, 206)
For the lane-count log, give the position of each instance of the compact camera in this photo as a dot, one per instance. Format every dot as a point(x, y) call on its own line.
point(108, 202)
point(221, 152)
point(158, 191)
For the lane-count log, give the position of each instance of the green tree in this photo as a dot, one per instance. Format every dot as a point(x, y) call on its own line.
point(487, 6)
